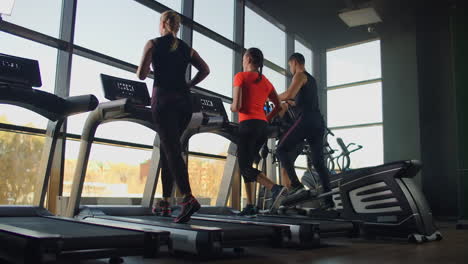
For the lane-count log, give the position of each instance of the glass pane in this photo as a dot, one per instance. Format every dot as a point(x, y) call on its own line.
point(307, 53)
point(264, 35)
point(216, 15)
point(112, 171)
point(219, 59)
point(355, 105)
point(173, 4)
point(42, 16)
point(19, 157)
point(47, 58)
point(277, 79)
point(85, 79)
point(353, 64)
point(371, 138)
point(205, 178)
point(209, 143)
point(111, 32)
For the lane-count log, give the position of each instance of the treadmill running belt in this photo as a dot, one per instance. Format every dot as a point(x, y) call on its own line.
point(78, 235)
point(232, 232)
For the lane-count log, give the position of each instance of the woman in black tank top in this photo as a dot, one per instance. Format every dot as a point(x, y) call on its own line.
point(171, 106)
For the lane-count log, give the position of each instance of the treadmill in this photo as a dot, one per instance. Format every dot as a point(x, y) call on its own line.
point(304, 231)
point(129, 101)
point(31, 234)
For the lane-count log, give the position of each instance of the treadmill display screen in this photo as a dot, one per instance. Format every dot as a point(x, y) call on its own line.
point(208, 105)
point(16, 70)
point(118, 88)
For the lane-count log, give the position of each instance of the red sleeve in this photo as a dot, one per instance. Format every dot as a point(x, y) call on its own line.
point(238, 80)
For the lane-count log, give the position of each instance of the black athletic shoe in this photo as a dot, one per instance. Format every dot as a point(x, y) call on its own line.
point(163, 209)
point(189, 206)
point(278, 193)
point(249, 210)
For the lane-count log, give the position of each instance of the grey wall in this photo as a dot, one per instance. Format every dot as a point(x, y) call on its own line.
point(438, 115)
point(419, 102)
point(400, 99)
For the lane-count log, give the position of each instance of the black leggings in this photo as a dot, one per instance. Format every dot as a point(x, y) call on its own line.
point(252, 136)
point(171, 120)
point(304, 128)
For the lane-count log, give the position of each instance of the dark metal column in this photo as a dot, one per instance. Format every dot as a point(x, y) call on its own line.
point(62, 89)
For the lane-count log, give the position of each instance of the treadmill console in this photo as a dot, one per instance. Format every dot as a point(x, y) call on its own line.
point(118, 88)
point(19, 71)
point(209, 106)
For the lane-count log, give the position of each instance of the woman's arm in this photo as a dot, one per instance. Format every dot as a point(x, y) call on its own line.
point(273, 96)
point(201, 66)
point(144, 68)
point(236, 99)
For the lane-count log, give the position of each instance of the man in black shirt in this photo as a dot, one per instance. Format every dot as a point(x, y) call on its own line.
point(309, 125)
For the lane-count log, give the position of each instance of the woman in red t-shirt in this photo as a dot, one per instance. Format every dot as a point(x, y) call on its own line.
point(251, 91)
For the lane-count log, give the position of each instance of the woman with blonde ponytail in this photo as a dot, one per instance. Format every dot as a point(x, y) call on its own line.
point(171, 106)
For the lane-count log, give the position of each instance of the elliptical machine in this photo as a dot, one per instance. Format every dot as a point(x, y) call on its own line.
point(383, 200)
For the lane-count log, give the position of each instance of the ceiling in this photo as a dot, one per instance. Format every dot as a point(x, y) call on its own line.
point(318, 23)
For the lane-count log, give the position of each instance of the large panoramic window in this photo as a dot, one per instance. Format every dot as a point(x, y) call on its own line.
point(42, 16)
point(205, 178)
point(112, 171)
point(354, 101)
point(85, 79)
point(19, 158)
point(173, 4)
point(354, 64)
point(219, 59)
point(307, 52)
point(264, 35)
point(120, 32)
point(216, 15)
point(277, 79)
point(355, 105)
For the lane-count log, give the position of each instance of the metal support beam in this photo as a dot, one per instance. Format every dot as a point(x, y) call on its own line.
point(186, 32)
point(62, 89)
point(46, 163)
point(290, 49)
point(320, 73)
point(153, 175)
point(239, 28)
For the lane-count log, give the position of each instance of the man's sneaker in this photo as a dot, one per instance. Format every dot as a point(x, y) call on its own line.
point(163, 209)
point(189, 206)
point(278, 193)
point(296, 190)
point(249, 210)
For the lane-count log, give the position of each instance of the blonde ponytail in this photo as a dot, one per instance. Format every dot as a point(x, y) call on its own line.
point(171, 20)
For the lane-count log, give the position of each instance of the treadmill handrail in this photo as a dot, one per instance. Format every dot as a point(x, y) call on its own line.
point(28, 99)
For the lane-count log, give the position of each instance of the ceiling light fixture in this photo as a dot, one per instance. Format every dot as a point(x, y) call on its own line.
point(359, 17)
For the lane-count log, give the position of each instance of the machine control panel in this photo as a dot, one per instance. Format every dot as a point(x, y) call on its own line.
point(117, 88)
point(20, 71)
point(209, 106)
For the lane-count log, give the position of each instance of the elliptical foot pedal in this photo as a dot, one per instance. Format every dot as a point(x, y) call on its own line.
point(295, 199)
